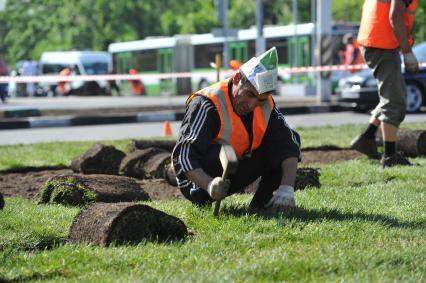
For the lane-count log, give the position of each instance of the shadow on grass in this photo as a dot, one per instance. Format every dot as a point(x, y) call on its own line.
point(34, 245)
point(307, 215)
point(46, 243)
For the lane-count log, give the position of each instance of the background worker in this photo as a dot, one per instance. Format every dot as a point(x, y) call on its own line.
point(29, 68)
point(112, 84)
point(351, 54)
point(4, 71)
point(136, 85)
point(62, 84)
point(241, 112)
point(384, 32)
point(235, 65)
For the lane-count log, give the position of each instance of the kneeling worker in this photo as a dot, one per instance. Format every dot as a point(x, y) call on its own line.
point(238, 111)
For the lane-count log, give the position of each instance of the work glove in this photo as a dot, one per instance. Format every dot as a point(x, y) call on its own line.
point(282, 199)
point(411, 63)
point(218, 188)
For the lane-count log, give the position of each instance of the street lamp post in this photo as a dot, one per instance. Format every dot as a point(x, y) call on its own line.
point(260, 39)
point(222, 10)
point(324, 49)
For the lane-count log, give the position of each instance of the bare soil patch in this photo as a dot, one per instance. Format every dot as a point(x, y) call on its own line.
point(27, 182)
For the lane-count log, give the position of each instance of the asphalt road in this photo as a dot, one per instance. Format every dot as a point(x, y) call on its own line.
point(142, 130)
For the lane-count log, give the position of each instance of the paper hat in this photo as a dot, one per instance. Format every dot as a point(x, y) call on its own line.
point(262, 71)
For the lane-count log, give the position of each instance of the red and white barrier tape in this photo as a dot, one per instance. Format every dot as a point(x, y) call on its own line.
point(57, 78)
point(330, 68)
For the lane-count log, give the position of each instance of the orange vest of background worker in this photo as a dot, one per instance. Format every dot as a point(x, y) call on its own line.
point(136, 85)
point(61, 85)
point(375, 29)
point(232, 130)
point(351, 55)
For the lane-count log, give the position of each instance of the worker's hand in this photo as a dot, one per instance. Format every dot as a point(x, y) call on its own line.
point(218, 188)
point(282, 200)
point(411, 63)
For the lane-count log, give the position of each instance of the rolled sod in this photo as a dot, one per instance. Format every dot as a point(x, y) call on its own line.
point(411, 143)
point(124, 223)
point(99, 159)
point(79, 190)
point(146, 163)
point(166, 145)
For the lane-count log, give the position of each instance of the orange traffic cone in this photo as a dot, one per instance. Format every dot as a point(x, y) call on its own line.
point(167, 129)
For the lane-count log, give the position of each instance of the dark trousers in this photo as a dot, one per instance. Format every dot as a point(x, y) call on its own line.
point(249, 170)
point(3, 92)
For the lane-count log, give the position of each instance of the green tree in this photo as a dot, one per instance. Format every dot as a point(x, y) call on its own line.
point(30, 27)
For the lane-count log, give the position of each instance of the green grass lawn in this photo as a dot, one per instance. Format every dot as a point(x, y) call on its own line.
point(364, 224)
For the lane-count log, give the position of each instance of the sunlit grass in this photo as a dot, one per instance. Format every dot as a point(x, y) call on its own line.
point(364, 224)
point(369, 226)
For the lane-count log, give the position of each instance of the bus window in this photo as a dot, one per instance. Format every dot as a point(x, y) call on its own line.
point(282, 49)
point(123, 61)
point(302, 45)
point(145, 61)
point(238, 51)
point(304, 51)
point(94, 68)
point(251, 49)
point(52, 68)
point(204, 54)
point(165, 65)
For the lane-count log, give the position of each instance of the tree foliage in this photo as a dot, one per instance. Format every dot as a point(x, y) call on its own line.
point(350, 11)
point(30, 27)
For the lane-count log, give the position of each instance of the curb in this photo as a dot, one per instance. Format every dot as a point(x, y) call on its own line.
point(68, 121)
point(140, 117)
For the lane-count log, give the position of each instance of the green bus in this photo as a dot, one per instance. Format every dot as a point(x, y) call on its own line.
point(191, 56)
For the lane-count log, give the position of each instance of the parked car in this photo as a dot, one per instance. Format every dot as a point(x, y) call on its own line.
point(360, 89)
point(80, 63)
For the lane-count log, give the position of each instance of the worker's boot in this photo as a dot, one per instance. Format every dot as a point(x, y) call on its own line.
point(394, 160)
point(366, 146)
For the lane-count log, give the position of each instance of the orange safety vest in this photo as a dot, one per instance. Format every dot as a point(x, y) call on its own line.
point(137, 87)
point(65, 72)
point(375, 29)
point(232, 130)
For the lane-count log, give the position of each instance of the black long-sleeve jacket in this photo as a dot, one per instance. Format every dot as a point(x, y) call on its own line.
point(201, 125)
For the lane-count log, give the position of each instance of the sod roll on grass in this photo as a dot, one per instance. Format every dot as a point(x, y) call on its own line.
point(124, 223)
point(79, 190)
point(99, 159)
point(411, 143)
point(146, 163)
point(166, 145)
